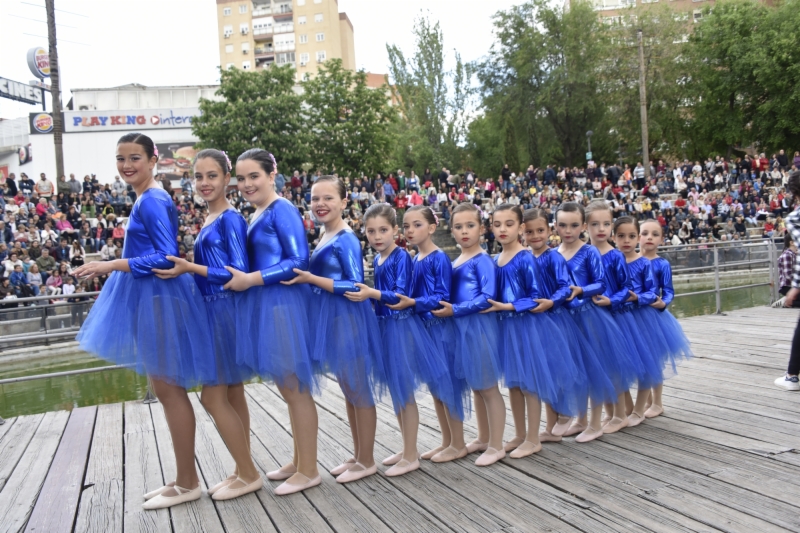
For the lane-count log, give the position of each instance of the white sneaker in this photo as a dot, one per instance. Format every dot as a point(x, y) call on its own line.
point(788, 383)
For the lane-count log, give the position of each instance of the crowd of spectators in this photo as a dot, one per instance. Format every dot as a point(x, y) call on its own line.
point(47, 229)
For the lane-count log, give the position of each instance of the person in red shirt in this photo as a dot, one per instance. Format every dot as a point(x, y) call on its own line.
point(680, 202)
point(401, 202)
point(393, 182)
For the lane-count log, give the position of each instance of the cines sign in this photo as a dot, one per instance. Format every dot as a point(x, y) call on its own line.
point(21, 92)
point(94, 121)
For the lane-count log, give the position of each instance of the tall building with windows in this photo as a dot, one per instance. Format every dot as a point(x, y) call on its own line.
point(255, 34)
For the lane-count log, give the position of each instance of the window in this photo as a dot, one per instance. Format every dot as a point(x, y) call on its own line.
point(226, 12)
point(303, 59)
point(228, 66)
point(303, 38)
point(245, 48)
point(245, 65)
point(244, 28)
point(321, 56)
point(698, 14)
point(227, 30)
point(301, 20)
point(285, 57)
point(242, 8)
point(301, 2)
point(228, 48)
point(318, 17)
point(320, 37)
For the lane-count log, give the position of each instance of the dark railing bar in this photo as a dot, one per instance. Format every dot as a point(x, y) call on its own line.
point(62, 374)
point(52, 297)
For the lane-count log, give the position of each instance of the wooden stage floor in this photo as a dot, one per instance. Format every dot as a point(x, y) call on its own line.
point(725, 456)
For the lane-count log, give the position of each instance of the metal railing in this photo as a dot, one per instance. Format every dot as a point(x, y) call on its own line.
point(40, 308)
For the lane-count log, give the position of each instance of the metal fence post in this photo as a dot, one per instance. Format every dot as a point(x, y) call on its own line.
point(2, 421)
point(149, 397)
point(717, 293)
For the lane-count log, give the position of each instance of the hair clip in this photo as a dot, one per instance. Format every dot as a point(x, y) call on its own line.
point(155, 150)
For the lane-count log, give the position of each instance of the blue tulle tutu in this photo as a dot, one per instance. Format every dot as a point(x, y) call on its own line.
point(273, 335)
point(412, 360)
point(581, 353)
point(535, 365)
point(347, 343)
point(476, 357)
point(443, 335)
point(223, 312)
point(641, 324)
point(159, 326)
point(679, 345)
point(614, 350)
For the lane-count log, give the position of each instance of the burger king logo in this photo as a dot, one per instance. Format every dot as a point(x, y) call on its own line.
point(43, 123)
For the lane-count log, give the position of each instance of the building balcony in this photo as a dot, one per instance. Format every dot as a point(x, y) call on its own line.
point(262, 11)
point(262, 34)
point(284, 47)
point(283, 28)
point(264, 52)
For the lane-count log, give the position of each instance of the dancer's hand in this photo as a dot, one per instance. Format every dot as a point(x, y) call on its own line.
point(404, 303)
point(544, 305)
point(303, 276)
point(364, 293)
point(602, 301)
point(497, 306)
point(576, 291)
point(95, 268)
point(658, 304)
point(633, 297)
point(182, 266)
point(445, 311)
point(240, 281)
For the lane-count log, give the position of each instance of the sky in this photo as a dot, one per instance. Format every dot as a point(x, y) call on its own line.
point(106, 43)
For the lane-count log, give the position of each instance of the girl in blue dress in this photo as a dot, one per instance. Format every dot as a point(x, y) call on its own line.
point(151, 323)
point(477, 338)
point(554, 286)
point(653, 345)
point(347, 340)
point(221, 243)
point(679, 347)
point(617, 299)
point(272, 325)
point(534, 366)
point(617, 364)
point(409, 355)
point(430, 284)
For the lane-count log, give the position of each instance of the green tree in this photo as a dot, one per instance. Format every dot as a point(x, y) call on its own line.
point(546, 63)
point(433, 102)
point(349, 122)
point(258, 109)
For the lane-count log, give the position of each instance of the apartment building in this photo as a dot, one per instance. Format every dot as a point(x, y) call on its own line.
point(255, 34)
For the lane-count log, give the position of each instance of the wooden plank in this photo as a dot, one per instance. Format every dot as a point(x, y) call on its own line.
point(6, 426)
point(57, 503)
point(14, 443)
point(22, 488)
point(241, 514)
point(197, 516)
point(100, 509)
point(142, 471)
point(339, 508)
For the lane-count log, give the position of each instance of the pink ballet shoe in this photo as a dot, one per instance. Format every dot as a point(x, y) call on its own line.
point(392, 459)
point(402, 467)
point(588, 435)
point(152, 494)
point(525, 449)
point(284, 472)
point(513, 444)
point(546, 436)
point(342, 468)
point(561, 427)
point(449, 454)
point(229, 493)
point(477, 446)
point(224, 483)
point(574, 428)
point(616, 424)
point(183, 496)
point(490, 457)
point(430, 453)
point(355, 475)
point(654, 411)
point(290, 488)
point(634, 420)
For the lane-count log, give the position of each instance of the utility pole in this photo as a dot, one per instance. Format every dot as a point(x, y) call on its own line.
point(643, 105)
point(55, 87)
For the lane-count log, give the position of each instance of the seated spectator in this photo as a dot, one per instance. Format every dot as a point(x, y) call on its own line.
point(54, 283)
point(67, 287)
point(20, 283)
point(107, 252)
point(10, 263)
point(76, 254)
point(46, 263)
point(63, 251)
point(35, 278)
point(7, 292)
point(64, 226)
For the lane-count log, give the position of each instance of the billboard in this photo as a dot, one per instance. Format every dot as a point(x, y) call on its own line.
point(21, 92)
point(175, 158)
point(133, 120)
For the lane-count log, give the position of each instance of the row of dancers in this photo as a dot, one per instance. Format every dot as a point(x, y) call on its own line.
point(569, 328)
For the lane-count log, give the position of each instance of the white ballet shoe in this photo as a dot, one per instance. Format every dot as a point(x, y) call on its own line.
point(290, 488)
point(342, 468)
point(183, 496)
point(152, 494)
point(402, 467)
point(224, 483)
point(490, 457)
point(282, 473)
point(392, 459)
point(355, 475)
point(228, 493)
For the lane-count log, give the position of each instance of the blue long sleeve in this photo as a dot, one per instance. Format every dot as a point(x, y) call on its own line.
point(152, 234)
point(392, 277)
point(340, 260)
point(441, 273)
point(233, 233)
point(662, 271)
point(560, 274)
point(596, 284)
point(474, 283)
point(292, 237)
